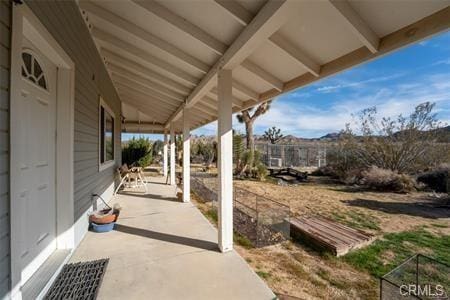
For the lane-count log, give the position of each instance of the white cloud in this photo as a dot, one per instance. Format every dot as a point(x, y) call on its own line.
point(303, 118)
point(390, 102)
point(348, 84)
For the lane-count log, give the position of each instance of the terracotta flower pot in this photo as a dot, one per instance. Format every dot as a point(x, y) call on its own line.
point(106, 219)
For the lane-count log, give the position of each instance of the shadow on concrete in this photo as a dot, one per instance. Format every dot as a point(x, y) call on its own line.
point(436, 209)
point(158, 183)
point(150, 196)
point(170, 238)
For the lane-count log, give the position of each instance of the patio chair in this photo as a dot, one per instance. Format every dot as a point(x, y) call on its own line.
point(130, 178)
point(137, 175)
point(124, 176)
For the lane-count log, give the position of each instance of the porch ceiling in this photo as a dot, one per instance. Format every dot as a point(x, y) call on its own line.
point(164, 55)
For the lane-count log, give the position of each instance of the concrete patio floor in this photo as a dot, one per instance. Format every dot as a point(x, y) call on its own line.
point(165, 249)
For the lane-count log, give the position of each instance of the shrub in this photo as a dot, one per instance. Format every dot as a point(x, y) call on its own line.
point(261, 172)
point(324, 171)
point(157, 149)
point(250, 165)
point(387, 180)
point(402, 144)
point(353, 176)
point(342, 159)
point(438, 179)
point(137, 152)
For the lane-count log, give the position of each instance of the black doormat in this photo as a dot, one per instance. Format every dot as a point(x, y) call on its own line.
point(78, 280)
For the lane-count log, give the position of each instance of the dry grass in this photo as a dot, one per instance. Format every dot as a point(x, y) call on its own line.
point(374, 212)
point(290, 269)
point(298, 271)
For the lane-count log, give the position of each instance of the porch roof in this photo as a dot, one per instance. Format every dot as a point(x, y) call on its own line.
point(165, 55)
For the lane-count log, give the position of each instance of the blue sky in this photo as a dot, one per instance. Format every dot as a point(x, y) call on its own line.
point(395, 84)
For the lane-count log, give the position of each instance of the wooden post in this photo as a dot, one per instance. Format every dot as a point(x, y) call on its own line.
point(225, 160)
point(172, 155)
point(165, 155)
point(186, 157)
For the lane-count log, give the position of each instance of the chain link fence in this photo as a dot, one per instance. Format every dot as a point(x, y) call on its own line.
point(419, 277)
point(301, 156)
point(261, 220)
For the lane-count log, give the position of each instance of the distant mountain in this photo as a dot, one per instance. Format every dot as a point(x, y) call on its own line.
point(292, 140)
point(331, 136)
point(443, 136)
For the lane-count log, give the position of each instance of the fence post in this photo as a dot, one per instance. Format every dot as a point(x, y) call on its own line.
point(319, 157)
point(257, 221)
point(381, 288)
point(417, 271)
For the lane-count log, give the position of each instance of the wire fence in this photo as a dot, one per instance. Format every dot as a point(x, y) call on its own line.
point(419, 277)
point(261, 220)
point(302, 156)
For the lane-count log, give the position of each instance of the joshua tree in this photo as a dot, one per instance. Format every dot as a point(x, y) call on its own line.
point(248, 119)
point(273, 135)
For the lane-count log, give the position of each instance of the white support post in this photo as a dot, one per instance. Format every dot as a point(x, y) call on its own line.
point(186, 156)
point(165, 155)
point(225, 160)
point(172, 155)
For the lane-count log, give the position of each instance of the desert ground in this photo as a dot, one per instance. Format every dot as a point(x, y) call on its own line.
point(404, 224)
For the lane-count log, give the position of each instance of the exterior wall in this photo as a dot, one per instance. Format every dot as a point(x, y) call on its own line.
point(5, 46)
point(65, 23)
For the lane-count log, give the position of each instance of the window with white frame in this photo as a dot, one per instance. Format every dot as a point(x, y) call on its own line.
point(106, 139)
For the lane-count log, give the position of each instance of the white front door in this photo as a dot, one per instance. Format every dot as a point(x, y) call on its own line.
point(36, 157)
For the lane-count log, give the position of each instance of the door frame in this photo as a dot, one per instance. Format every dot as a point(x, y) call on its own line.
point(26, 24)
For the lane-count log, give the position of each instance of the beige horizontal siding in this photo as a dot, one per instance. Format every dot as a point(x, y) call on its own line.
point(64, 21)
point(5, 66)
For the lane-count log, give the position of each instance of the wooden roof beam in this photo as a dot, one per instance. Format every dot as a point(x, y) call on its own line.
point(146, 125)
point(144, 55)
point(268, 20)
point(357, 25)
point(132, 66)
point(123, 90)
point(182, 24)
point(417, 31)
point(145, 108)
point(236, 101)
point(263, 74)
point(203, 111)
point(142, 34)
point(244, 17)
point(145, 82)
point(237, 11)
point(145, 90)
point(245, 90)
point(145, 99)
point(304, 60)
point(209, 102)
